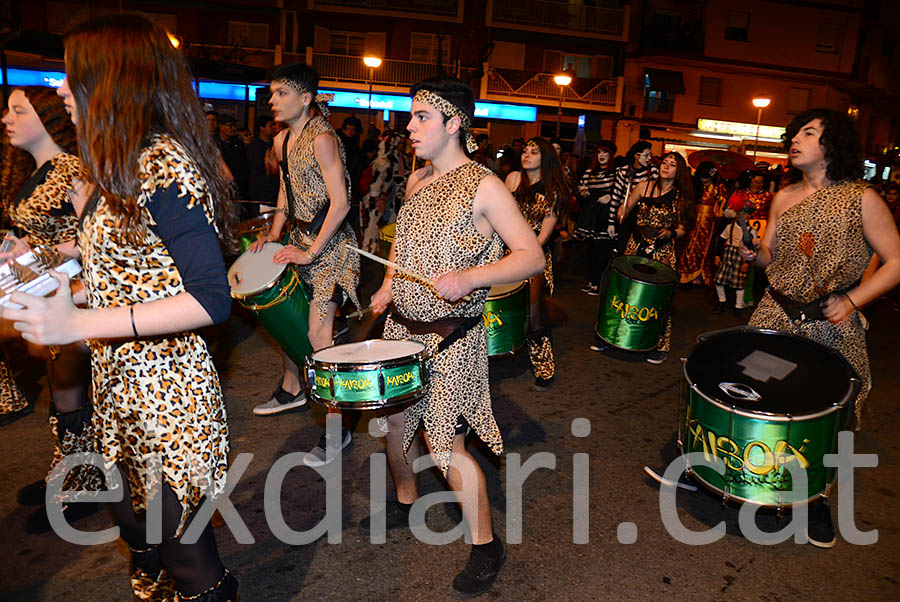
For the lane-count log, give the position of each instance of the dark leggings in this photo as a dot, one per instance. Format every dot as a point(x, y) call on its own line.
point(67, 376)
point(599, 258)
point(195, 567)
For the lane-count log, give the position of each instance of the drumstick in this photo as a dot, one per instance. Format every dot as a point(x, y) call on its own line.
point(359, 313)
point(399, 268)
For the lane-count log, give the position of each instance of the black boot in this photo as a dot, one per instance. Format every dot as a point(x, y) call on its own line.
point(224, 591)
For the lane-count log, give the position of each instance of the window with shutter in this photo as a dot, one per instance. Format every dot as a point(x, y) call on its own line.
point(710, 91)
point(423, 47)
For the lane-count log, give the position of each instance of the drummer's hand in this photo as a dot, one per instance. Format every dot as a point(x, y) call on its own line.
point(258, 244)
point(382, 299)
point(837, 308)
point(292, 254)
point(664, 234)
point(749, 254)
point(46, 320)
point(620, 214)
point(20, 247)
point(453, 286)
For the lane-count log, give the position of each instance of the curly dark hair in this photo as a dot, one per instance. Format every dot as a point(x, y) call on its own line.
point(840, 141)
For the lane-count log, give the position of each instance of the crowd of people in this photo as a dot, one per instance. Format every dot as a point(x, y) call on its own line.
point(124, 173)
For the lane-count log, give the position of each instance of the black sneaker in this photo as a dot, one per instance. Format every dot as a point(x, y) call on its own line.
point(599, 345)
point(479, 575)
point(587, 287)
point(396, 517)
point(32, 494)
point(37, 522)
point(281, 401)
point(820, 530)
point(542, 384)
point(657, 357)
point(719, 307)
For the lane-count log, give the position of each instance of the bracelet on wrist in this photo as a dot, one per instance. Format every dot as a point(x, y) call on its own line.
point(851, 301)
point(312, 255)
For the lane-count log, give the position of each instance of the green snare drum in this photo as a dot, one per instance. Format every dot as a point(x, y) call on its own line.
point(505, 315)
point(386, 236)
point(635, 299)
point(368, 375)
point(276, 295)
point(758, 400)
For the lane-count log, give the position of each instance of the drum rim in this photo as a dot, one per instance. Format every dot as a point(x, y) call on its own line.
point(509, 293)
point(615, 268)
point(405, 399)
point(267, 287)
point(422, 355)
point(851, 393)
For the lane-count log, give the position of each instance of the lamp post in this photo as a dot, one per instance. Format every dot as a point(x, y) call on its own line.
point(562, 80)
point(372, 62)
point(760, 102)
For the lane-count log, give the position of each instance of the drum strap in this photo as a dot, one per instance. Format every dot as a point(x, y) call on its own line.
point(804, 312)
point(450, 329)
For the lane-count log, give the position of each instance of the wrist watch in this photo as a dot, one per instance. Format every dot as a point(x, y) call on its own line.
point(312, 255)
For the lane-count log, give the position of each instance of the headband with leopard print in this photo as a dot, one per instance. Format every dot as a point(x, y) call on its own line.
point(450, 110)
point(321, 100)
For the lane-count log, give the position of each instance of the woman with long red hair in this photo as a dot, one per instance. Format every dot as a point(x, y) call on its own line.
point(153, 274)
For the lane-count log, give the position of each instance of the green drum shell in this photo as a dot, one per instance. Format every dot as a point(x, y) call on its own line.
point(633, 313)
point(283, 310)
point(505, 317)
point(752, 448)
point(386, 239)
point(368, 386)
point(757, 400)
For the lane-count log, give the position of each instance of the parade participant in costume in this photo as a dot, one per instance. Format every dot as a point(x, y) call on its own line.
point(732, 270)
point(314, 198)
point(664, 208)
point(694, 263)
point(456, 218)
point(153, 274)
point(598, 215)
point(541, 190)
point(44, 216)
point(753, 199)
point(821, 234)
point(390, 171)
point(637, 169)
point(15, 167)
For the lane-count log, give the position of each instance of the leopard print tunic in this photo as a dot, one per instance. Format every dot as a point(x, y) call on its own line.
point(833, 216)
point(535, 209)
point(336, 266)
point(47, 214)
point(436, 235)
point(159, 412)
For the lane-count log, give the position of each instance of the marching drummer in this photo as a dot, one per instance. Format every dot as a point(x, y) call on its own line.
point(313, 198)
point(451, 229)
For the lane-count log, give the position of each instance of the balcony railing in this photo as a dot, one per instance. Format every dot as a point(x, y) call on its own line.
point(441, 8)
point(569, 16)
point(338, 67)
point(517, 85)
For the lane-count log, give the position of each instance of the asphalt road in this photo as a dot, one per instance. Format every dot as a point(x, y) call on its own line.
point(632, 408)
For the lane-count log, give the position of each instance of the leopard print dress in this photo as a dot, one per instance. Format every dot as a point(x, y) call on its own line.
point(334, 275)
point(159, 412)
point(436, 235)
point(833, 216)
point(47, 216)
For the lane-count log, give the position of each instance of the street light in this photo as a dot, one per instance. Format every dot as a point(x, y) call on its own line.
point(760, 102)
point(562, 80)
point(372, 62)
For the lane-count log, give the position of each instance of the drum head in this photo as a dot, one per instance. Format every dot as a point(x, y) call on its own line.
point(254, 272)
point(769, 372)
point(501, 290)
point(364, 352)
point(643, 269)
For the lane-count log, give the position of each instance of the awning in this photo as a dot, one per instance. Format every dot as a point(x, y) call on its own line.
point(665, 81)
